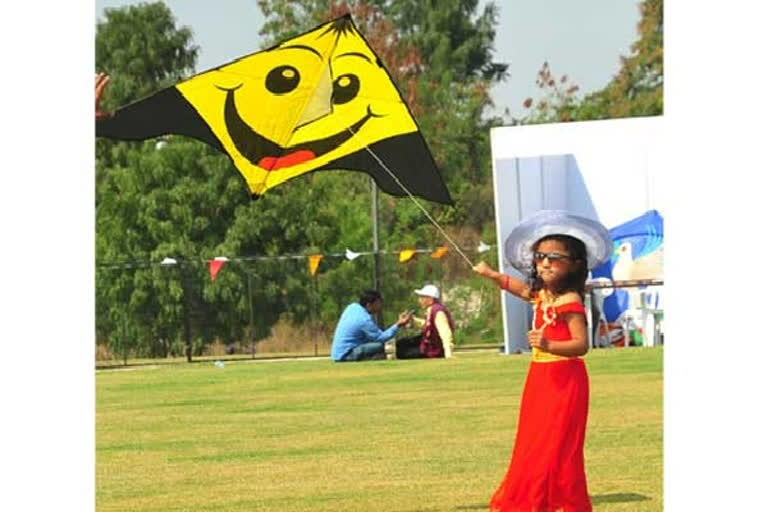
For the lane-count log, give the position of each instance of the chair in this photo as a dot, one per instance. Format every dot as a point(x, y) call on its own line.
point(598, 295)
point(652, 311)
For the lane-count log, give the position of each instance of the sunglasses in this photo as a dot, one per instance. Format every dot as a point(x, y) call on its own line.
point(551, 256)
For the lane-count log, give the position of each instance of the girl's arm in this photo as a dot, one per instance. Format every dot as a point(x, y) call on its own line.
point(102, 79)
point(506, 282)
point(576, 346)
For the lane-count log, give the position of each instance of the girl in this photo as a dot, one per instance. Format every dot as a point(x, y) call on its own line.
point(546, 472)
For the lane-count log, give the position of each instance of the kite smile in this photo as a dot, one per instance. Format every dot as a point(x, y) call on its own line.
point(269, 155)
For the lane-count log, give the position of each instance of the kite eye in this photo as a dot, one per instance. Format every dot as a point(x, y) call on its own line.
point(345, 88)
point(283, 79)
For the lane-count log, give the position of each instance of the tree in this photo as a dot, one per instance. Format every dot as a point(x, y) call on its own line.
point(455, 90)
point(143, 50)
point(636, 90)
point(454, 38)
point(559, 96)
point(153, 200)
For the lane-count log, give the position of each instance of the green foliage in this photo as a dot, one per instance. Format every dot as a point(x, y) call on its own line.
point(638, 87)
point(175, 201)
point(154, 199)
point(453, 93)
point(289, 19)
point(452, 36)
point(143, 50)
point(636, 90)
point(459, 136)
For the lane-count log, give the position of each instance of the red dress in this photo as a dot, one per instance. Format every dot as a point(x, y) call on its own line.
point(546, 472)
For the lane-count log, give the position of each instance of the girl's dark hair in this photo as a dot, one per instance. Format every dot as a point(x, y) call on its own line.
point(369, 296)
point(575, 280)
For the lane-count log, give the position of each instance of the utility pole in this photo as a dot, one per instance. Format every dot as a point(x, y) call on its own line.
point(375, 219)
point(186, 307)
point(250, 315)
point(313, 302)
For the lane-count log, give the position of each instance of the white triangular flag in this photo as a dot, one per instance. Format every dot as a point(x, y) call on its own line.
point(483, 247)
point(352, 255)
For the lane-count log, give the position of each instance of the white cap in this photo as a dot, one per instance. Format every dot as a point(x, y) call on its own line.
point(429, 290)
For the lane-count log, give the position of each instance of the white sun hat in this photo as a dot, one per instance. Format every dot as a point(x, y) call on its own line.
point(429, 290)
point(520, 241)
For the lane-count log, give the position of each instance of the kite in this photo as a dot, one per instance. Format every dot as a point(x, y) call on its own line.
point(320, 101)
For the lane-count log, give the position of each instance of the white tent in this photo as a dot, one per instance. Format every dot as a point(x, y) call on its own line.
point(605, 170)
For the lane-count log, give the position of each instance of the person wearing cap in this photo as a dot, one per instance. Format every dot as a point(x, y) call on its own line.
point(436, 338)
point(357, 337)
point(556, 250)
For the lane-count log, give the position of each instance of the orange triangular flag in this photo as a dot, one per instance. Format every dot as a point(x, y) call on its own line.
point(439, 252)
point(314, 261)
point(214, 266)
point(406, 255)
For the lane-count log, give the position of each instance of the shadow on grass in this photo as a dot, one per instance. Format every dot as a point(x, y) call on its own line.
point(201, 360)
point(618, 498)
point(596, 500)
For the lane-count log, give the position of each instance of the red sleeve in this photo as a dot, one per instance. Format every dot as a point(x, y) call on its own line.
point(571, 307)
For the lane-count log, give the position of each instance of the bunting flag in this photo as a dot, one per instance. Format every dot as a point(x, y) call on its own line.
point(314, 262)
point(215, 265)
point(406, 255)
point(439, 252)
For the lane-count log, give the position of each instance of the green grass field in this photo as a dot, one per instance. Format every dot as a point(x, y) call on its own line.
point(311, 435)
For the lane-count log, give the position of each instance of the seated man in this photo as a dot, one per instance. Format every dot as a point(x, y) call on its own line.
point(357, 337)
point(436, 338)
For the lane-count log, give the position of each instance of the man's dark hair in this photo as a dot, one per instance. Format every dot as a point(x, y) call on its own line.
point(369, 296)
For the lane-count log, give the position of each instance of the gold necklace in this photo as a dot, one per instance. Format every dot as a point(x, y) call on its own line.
point(548, 312)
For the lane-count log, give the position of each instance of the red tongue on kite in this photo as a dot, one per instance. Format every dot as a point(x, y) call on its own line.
point(272, 163)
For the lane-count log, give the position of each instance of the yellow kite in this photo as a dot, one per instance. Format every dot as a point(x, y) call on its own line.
point(320, 101)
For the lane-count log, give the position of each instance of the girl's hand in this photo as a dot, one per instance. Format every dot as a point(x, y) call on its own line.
point(536, 339)
point(483, 269)
point(404, 318)
point(102, 79)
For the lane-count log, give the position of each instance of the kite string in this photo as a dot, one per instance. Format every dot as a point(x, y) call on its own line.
point(384, 166)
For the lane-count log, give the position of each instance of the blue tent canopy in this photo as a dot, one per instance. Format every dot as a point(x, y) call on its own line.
point(646, 234)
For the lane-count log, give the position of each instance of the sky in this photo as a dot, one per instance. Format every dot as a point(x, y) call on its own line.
point(581, 39)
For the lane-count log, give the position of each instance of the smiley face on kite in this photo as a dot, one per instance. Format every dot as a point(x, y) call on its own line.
point(319, 101)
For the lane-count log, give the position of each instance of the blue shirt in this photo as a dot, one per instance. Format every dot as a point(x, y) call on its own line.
point(356, 326)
